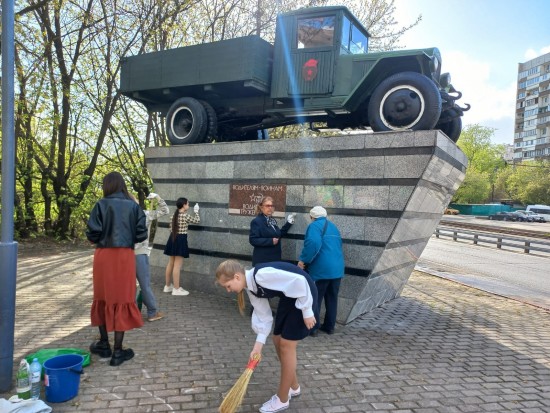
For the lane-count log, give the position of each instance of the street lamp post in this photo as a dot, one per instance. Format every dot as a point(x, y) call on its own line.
point(8, 248)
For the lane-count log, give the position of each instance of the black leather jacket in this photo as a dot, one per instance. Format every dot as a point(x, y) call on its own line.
point(116, 222)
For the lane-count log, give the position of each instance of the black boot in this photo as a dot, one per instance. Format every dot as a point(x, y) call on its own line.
point(101, 348)
point(120, 356)
point(326, 330)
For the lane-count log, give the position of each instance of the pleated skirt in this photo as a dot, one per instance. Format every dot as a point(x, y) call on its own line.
point(177, 248)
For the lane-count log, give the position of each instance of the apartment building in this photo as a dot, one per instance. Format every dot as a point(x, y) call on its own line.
point(532, 122)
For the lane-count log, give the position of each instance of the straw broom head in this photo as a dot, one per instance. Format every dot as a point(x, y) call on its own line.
point(235, 396)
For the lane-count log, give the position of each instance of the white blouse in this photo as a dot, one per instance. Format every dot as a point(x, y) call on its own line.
point(290, 284)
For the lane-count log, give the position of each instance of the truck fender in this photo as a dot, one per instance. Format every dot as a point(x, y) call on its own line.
point(452, 128)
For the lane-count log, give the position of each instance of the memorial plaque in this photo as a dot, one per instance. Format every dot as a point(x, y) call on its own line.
point(243, 198)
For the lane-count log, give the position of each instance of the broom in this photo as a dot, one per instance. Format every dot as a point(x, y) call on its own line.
point(235, 396)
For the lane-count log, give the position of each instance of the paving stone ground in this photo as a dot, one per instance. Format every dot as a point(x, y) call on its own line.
point(441, 347)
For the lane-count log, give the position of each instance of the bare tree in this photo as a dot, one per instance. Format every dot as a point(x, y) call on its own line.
point(79, 44)
point(72, 122)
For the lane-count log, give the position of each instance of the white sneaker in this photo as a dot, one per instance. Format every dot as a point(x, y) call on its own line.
point(168, 288)
point(274, 405)
point(294, 393)
point(179, 291)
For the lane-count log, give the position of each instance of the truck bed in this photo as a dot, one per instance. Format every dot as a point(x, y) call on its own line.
point(241, 65)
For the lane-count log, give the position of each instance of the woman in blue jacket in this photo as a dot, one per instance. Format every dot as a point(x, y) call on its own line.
point(323, 255)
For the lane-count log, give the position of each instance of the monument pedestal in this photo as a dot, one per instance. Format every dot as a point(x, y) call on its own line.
point(386, 192)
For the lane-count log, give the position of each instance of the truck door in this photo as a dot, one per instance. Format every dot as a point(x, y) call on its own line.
point(314, 55)
point(307, 52)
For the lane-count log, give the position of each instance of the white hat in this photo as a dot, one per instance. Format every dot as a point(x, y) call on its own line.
point(318, 212)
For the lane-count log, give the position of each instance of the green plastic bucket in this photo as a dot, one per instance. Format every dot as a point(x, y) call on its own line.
point(47, 353)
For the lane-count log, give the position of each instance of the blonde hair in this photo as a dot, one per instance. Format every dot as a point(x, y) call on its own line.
point(258, 207)
point(226, 271)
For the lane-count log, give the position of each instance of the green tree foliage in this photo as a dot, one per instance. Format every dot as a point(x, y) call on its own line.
point(485, 160)
point(483, 155)
point(528, 182)
point(475, 189)
point(68, 62)
point(489, 178)
point(503, 190)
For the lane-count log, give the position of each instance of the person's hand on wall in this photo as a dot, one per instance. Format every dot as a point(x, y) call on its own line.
point(290, 218)
point(196, 208)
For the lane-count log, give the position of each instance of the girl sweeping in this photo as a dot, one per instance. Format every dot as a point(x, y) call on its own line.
point(294, 320)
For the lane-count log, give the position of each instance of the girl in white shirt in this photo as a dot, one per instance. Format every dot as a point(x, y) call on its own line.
point(294, 320)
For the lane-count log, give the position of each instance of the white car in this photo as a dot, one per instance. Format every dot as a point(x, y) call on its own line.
point(536, 217)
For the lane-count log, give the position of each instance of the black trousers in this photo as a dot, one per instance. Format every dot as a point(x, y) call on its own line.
point(328, 291)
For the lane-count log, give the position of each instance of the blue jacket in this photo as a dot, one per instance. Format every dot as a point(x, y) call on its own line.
point(323, 255)
point(261, 238)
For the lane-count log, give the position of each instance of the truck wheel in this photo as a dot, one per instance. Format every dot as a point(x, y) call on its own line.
point(406, 100)
point(186, 122)
point(452, 129)
point(212, 128)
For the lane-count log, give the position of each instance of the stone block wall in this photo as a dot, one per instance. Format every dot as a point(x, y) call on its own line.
point(386, 192)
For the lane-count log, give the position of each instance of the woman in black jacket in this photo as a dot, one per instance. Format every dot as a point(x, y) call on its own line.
point(265, 235)
point(115, 225)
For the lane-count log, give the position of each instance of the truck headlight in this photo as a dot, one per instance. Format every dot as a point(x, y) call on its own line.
point(434, 64)
point(445, 80)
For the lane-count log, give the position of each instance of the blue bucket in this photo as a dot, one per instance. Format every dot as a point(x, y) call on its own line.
point(62, 377)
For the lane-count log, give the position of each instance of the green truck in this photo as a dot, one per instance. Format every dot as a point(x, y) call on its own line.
point(317, 72)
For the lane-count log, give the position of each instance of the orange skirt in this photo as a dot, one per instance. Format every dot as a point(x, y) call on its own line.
point(114, 304)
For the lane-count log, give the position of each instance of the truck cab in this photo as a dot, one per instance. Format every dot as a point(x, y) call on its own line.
point(323, 72)
point(306, 49)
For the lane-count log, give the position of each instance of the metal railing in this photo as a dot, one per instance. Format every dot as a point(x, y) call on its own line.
point(527, 245)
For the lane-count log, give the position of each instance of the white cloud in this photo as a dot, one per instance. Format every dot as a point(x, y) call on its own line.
point(532, 53)
point(473, 78)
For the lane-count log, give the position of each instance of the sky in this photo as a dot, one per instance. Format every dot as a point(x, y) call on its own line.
point(481, 44)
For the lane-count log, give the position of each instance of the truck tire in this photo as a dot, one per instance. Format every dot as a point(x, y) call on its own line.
point(406, 100)
point(186, 122)
point(212, 126)
point(452, 129)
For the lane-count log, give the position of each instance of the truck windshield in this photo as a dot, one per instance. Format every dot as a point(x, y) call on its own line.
point(358, 44)
point(316, 32)
point(354, 41)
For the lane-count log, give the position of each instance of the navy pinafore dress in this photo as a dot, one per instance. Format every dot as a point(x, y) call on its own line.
point(289, 321)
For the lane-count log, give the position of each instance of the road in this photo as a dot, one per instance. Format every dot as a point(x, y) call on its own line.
point(519, 276)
